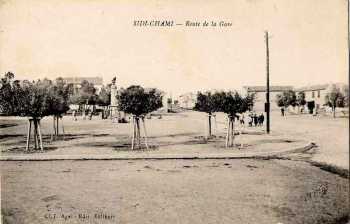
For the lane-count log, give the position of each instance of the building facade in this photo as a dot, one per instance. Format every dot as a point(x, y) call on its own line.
point(314, 95)
point(187, 100)
point(76, 81)
point(260, 96)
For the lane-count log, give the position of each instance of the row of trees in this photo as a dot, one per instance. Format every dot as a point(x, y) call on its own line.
point(38, 99)
point(334, 97)
point(290, 98)
point(41, 98)
point(337, 97)
point(138, 102)
point(231, 103)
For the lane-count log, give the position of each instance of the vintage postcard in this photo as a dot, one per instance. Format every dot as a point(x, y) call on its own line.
point(118, 111)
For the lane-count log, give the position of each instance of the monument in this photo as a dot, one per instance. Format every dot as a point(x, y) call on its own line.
point(114, 102)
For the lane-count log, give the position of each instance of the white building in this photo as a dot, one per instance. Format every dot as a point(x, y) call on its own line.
point(187, 100)
point(76, 81)
point(316, 94)
point(260, 96)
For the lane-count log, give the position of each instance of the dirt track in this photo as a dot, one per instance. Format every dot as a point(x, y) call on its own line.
point(172, 191)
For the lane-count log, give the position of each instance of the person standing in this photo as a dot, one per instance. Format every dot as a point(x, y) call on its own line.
point(255, 119)
point(261, 119)
point(241, 119)
point(74, 115)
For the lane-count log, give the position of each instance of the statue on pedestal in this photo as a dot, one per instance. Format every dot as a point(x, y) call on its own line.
point(114, 101)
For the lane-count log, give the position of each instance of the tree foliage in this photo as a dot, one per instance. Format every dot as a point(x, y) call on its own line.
point(104, 96)
point(300, 99)
point(85, 95)
point(59, 94)
point(138, 101)
point(234, 103)
point(205, 103)
point(335, 96)
point(287, 98)
point(33, 99)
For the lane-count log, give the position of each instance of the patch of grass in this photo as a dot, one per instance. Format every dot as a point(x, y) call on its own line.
point(331, 168)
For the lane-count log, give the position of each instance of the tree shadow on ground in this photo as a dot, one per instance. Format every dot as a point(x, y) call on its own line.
point(7, 125)
point(266, 141)
point(175, 135)
point(120, 145)
point(68, 137)
point(11, 136)
point(22, 149)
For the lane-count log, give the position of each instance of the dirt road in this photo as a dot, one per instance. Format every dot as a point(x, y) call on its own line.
point(171, 191)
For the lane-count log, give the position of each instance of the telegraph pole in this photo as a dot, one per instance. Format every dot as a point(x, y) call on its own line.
point(267, 104)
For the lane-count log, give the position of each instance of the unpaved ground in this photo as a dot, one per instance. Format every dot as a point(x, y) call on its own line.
point(174, 134)
point(172, 191)
point(179, 132)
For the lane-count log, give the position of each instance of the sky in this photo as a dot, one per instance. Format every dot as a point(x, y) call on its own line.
point(52, 38)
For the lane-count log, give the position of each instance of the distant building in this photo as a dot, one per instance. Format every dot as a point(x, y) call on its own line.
point(314, 94)
point(187, 100)
point(260, 95)
point(76, 81)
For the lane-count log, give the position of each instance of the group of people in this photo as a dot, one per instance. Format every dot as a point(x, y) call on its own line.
point(253, 119)
point(85, 114)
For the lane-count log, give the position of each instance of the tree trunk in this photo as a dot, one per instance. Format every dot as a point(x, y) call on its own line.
point(209, 125)
point(333, 111)
point(138, 132)
point(62, 127)
point(54, 125)
point(40, 136)
point(230, 136)
point(145, 131)
point(35, 134)
point(37, 137)
point(232, 131)
point(28, 135)
point(57, 122)
point(228, 132)
point(133, 133)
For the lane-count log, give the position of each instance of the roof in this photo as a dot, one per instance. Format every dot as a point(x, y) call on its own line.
point(312, 88)
point(272, 88)
point(78, 80)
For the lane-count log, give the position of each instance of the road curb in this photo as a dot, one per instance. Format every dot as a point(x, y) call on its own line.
point(262, 155)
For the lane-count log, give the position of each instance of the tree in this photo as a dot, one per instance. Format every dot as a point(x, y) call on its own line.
point(335, 97)
point(169, 104)
point(286, 99)
point(104, 99)
point(232, 103)
point(300, 100)
point(7, 94)
point(137, 101)
point(35, 104)
point(34, 100)
point(346, 95)
point(59, 102)
point(85, 96)
point(208, 103)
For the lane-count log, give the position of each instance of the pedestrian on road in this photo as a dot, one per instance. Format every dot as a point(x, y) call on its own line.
point(74, 115)
point(261, 119)
point(255, 119)
point(241, 119)
point(251, 120)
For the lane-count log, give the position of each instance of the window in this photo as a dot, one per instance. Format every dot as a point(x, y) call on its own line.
point(318, 94)
point(313, 94)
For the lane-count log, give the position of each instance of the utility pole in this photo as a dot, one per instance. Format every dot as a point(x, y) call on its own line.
point(267, 104)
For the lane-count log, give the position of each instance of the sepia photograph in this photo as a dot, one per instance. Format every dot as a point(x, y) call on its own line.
point(184, 112)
